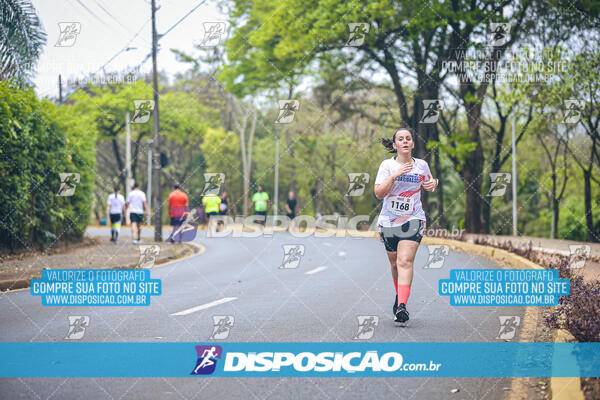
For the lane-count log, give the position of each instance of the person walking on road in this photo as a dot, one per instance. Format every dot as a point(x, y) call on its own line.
point(137, 207)
point(290, 207)
point(211, 203)
point(178, 202)
point(260, 202)
point(402, 220)
point(223, 207)
point(115, 209)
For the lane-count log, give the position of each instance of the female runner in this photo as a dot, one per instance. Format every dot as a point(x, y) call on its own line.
point(402, 220)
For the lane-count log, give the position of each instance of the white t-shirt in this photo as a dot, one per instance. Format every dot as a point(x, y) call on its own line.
point(403, 202)
point(136, 199)
point(116, 202)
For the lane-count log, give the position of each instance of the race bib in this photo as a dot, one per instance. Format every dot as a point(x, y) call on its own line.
point(260, 203)
point(399, 205)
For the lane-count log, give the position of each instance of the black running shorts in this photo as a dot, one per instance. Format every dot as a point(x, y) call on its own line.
point(136, 218)
point(410, 230)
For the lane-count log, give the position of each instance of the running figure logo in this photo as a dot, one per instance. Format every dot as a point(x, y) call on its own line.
point(148, 254)
point(68, 33)
point(499, 183)
point(207, 359)
point(77, 325)
point(68, 183)
point(508, 326)
point(431, 111)
point(188, 228)
point(499, 33)
point(292, 254)
point(579, 255)
point(366, 326)
point(213, 32)
point(142, 111)
point(573, 110)
point(287, 111)
point(358, 183)
point(222, 326)
point(358, 33)
point(213, 182)
point(437, 255)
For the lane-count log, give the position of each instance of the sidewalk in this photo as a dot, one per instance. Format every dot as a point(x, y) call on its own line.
point(16, 272)
point(539, 244)
point(591, 270)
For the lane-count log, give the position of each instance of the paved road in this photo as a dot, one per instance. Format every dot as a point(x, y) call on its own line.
point(271, 304)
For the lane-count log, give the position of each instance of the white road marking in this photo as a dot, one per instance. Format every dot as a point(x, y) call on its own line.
point(314, 271)
point(342, 254)
point(205, 306)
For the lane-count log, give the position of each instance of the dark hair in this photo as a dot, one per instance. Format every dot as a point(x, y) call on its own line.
point(176, 186)
point(135, 185)
point(389, 143)
point(117, 188)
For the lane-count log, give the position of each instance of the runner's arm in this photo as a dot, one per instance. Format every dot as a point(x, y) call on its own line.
point(430, 184)
point(382, 189)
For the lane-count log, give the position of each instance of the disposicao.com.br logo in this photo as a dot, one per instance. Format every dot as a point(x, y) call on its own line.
point(303, 362)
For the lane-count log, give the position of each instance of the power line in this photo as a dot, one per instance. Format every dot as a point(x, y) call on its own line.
point(171, 28)
point(124, 47)
point(112, 16)
point(92, 13)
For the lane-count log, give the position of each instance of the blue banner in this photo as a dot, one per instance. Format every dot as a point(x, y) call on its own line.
point(95, 287)
point(311, 359)
point(503, 287)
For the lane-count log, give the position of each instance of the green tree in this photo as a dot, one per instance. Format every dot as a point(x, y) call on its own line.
point(21, 39)
point(38, 142)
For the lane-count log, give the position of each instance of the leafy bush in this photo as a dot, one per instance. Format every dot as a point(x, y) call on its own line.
point(38, 141)
point(579, 312)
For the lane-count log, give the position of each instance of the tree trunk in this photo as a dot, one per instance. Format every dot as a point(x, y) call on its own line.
point(589, 221)
point(441, 220)
point(472, 180)
point(473, 166)
point(555, 213)
point(120, 164)
point(288, 140)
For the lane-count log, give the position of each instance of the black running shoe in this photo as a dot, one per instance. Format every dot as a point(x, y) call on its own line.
point(401, 313)
point(395, 305)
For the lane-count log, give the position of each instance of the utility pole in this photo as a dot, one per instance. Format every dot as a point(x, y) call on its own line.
point(156, 196)
point(59, 89)
point(514, 176)
point(276, 194)
point(149, 183)
point(127, 156)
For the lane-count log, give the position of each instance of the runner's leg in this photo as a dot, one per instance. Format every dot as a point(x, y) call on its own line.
point(117, 226)
point(392, 256)
point(405, 262)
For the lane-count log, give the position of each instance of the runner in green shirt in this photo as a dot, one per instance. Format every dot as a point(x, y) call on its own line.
point(260, 202)
point(211, 205)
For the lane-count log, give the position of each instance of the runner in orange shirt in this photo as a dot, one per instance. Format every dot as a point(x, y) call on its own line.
point(178, 201)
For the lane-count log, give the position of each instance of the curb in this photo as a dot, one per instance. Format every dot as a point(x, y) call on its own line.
point(561, 388)
point(18, 285)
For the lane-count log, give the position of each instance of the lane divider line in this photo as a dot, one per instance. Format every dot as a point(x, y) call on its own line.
point(205, 306)
point(314, 271)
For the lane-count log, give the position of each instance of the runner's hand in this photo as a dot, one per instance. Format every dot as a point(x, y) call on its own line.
point(403, 169)
point(430, 184)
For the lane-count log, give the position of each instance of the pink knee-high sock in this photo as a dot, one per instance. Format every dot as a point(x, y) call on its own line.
point(396, 286)
point(403, 293)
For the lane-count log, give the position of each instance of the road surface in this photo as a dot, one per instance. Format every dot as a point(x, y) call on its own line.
point(337, 280)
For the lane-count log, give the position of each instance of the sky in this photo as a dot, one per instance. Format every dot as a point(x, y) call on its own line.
point(108, 26)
